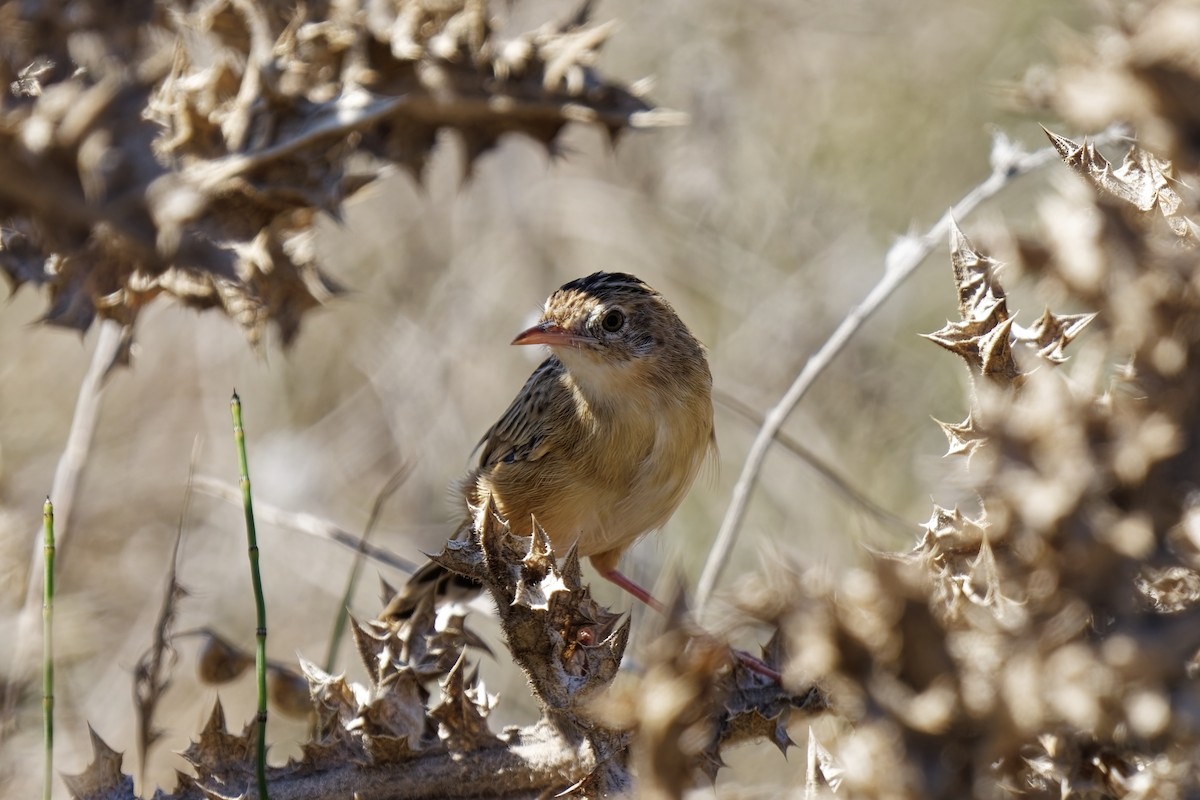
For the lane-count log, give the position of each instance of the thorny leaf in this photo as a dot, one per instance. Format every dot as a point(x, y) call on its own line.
point(386, 591)
point(219, 754)
point(950, 532)
point(462, 713)
point(988, 351)
point(1170, 590)
point(1052, 333)
point(103, 777)
point(986, 334)
point(674, 710)
point(981, 298)
point(822, 765)
point(395, 709)
point(1076, 765)
point(963, 438)
point(694, 698)
point(426, 643)
point(1076, 492)
point(540, 579)
point(983, 586)
point(1141, 181)
point(29, 79)
point(333, 701)
point(982, 337)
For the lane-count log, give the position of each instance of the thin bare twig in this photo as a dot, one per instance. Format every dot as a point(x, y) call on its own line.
point(304, 523)
point(63, 490)
point(83, 429)
point(847, 489)
point(152, 673)
point(339, 625)
point(903, 258)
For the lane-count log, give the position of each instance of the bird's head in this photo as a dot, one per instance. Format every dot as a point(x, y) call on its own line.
point(610, 328)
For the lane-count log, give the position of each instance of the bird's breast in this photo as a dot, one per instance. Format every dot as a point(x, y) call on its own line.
point(618, 470)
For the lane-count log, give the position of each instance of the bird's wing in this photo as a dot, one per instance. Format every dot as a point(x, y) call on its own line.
point(519, 433)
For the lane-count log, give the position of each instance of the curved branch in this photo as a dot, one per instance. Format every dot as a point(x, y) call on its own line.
point(902, 260)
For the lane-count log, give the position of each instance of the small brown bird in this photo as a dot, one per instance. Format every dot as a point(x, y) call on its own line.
point(607, 435)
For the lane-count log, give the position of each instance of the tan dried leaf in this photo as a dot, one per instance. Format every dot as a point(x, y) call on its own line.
point(333, 701)
point(103, 777)
point(395, 709)
point(218, 754)
point(963, 437)
point(1169, 590)
point(463, 711)
point(1141, 181)
point(1051, 334)
point(982, 337)
point(220, 661)
point(288, 692)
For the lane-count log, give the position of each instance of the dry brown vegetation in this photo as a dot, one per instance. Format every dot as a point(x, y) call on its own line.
point(1039, 635)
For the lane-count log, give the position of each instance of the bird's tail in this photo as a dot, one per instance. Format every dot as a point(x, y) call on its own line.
point(432, 581)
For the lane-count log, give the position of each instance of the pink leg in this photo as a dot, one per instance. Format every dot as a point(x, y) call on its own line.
point(616, 576)
point(750, 662)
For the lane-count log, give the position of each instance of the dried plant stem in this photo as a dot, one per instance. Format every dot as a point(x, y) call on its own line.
point(1008, 163)
point(48, 647)
point(305, 523)
point(66, 484)
point(152, 673)
point(842, 485)
point(361, 109)
point(83, 430)
point(343, 615)
point(260, 606)
point(810, 768)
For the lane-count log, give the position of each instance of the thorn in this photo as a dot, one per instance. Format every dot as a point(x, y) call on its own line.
point(780, 737)
point(491, 532)
point(216, 720)
point(958, 240)
point(540, 551)
point(1067, 150)
point(454, 684)
point(619, 639)
point(572, 572)
point(581, 16)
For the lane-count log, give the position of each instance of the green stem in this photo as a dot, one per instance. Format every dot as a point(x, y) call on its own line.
point(343, 615)
point(260, 653)
point(48, 646)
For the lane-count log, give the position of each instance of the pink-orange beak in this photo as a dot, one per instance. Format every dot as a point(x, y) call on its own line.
point(546, 333)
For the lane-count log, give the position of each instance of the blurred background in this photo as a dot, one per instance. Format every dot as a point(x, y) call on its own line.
point(819, 132)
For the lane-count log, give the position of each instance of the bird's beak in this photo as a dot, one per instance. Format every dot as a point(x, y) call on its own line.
point(546, 333)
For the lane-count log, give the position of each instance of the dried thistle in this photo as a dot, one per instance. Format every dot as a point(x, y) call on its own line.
point(187, 149)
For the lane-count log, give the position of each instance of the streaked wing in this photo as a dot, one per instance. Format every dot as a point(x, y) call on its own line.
point(518, 435)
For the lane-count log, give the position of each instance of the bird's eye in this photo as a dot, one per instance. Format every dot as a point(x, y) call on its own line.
point(612, 321)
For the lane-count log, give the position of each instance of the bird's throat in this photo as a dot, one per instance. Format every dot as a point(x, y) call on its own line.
point(607, 390)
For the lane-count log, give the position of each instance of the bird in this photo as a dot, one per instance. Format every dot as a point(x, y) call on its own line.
point(603, 441)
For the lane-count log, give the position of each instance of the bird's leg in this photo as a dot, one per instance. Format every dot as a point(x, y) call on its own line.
point(617, 577)
point(758, 666)
point(750, 662)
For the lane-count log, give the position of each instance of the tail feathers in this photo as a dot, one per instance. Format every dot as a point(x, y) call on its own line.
point(435, 581)
point(430, 580)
